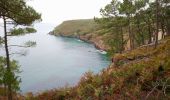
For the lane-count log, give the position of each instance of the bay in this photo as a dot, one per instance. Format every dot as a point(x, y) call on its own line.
point(55, 61)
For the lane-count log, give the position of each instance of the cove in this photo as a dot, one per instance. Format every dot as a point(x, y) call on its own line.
point(55, 61)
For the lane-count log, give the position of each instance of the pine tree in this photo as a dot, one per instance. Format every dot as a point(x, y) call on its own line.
point(18, 13)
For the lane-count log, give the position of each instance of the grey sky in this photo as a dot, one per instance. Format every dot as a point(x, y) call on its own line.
point(56, 11)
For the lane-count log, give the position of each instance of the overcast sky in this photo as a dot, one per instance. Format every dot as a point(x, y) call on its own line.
point(56, 11)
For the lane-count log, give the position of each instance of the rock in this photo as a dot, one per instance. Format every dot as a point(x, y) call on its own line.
point(51, 33)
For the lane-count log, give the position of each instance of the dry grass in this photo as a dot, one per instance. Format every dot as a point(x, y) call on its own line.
point(144, 74)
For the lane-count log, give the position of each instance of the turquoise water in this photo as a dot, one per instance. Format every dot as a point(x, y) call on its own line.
point(55, 61)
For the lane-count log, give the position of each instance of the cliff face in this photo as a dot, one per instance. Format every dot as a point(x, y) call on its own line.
point(83, 29)
point(98, 41)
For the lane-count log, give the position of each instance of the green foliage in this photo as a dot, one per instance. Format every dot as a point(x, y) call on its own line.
point(2, 69)
point(76, 27)
point(135, 17)
point(1, 40)
point(18, 31)
point(18, 11)
point(7, 77)
point(30, 30)
point(22, 31)
point(30, 44)
point(127, 7)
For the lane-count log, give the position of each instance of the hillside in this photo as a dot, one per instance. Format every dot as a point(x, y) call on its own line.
point(84, 29)
point(75, 27)
point(143, 73)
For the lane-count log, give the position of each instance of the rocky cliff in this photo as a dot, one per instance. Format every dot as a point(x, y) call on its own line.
point(84, 29)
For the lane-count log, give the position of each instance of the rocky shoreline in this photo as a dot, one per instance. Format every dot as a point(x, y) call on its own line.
point(95, 40)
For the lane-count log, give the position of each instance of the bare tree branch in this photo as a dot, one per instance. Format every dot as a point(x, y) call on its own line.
point(151, 91)
point(19, 46)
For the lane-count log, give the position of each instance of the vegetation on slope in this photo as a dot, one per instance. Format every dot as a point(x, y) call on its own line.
point(76, 27)
point(125, 25)
point(84, 29)
point(142, 73)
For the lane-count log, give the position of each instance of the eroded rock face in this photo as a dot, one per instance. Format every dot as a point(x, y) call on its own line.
point(84, 30)
point(51, 33)
point(98, 41)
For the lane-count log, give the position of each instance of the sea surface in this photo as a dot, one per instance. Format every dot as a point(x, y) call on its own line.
point(55, 61)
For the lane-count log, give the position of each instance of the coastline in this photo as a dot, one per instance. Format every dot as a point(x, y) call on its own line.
point(96, 41)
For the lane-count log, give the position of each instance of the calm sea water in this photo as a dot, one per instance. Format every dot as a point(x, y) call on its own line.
point(55, 61)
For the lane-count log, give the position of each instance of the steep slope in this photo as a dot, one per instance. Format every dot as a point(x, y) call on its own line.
point(84, 29)
point(76, 27)
point(143, 73)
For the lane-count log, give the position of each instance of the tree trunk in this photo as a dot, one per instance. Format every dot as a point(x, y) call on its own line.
point(163, 31)
point(5, 87)
point(130, 34)
point(7, 59)
point(149, 32)
point(168, 29)
point(157, 26)
point(139, 30)
point(167, 22)
point(122, 40)
point(168, 33)
point(150, 35)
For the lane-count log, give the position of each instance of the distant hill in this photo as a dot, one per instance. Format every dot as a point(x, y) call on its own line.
point(74, 27)
point(84, 29)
